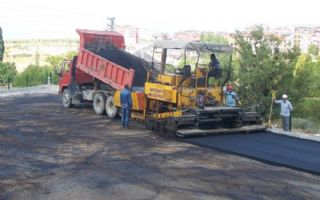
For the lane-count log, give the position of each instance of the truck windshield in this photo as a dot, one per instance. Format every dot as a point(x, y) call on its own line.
point(66, 66)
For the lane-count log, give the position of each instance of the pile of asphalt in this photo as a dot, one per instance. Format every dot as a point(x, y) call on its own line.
point(128, 61)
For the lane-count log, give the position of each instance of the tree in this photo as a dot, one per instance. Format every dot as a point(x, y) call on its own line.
point(34, 75)
point(7, 72)
point(306, 88)
point(70, 54)
point(214, 38)
point(307, 77)
point(1, 46)
point(56, 61)
point(224, 59)
point(262, 67)
point(313, 50)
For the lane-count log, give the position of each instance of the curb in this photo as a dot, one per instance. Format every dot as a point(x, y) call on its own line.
point(294, 134)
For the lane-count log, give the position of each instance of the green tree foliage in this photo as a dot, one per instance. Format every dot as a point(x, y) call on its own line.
point(7, 72)
point(38, 75)
point(33, 75)
point(308, 108)
point(214, 38)
point(302, 76)
point(1, 46)
point(70, 54)
point(313, 50)
point(306, 88)
point(224, 59)
point(56, 61)
point(262, 68)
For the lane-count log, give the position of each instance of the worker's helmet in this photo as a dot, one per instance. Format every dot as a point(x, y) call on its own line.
point(284, 96)
point(229, 88)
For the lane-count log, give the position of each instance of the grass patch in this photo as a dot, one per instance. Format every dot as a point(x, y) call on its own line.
point(306, 125)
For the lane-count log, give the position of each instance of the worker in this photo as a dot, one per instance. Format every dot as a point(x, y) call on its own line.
point(126, 103)
point(286, 109)
point(214, 67)
point(231, 96)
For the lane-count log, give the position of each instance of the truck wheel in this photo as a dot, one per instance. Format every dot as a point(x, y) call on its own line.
point(99, 101)
point(66, 99)
point(111, 109)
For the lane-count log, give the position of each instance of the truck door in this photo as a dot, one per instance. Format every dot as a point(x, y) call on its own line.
point(65, 74)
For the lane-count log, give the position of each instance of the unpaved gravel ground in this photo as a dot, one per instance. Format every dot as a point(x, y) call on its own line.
point(51, 153)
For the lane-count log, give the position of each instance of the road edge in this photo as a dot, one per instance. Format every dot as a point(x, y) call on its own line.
point(294, 134)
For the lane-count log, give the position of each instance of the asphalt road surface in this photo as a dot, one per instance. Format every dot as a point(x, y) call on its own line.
point(48, 152)
point(268, 147)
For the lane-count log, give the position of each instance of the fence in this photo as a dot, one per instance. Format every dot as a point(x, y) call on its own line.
point(27, 81)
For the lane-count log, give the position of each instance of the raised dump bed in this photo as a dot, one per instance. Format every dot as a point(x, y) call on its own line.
point(108, 72)
point(107, 50)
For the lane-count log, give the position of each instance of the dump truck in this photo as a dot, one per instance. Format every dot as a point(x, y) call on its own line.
point(164, 95)
point(100, 68)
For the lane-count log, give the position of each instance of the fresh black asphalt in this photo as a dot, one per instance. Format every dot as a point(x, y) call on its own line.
point(267, 147)
point(48, 152)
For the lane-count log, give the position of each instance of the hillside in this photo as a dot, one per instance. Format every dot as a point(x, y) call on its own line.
point(25, 52)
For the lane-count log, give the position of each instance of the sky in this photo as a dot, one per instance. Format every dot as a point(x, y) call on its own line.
point(25, 19)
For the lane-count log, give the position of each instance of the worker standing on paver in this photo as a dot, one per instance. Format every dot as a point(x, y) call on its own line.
point(126, 103)
point(286, 109)
point(231, 96)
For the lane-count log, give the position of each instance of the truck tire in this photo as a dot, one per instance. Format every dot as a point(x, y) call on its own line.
point(99, 101)
point(111, 109)
point(66, 99)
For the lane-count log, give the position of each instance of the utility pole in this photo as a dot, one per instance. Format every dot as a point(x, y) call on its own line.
point(111, 24)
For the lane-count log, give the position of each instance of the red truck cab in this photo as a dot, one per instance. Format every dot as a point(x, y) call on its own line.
point(68, 67)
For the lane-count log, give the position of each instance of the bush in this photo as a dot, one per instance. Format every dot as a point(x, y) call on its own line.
point(308, 108)
point(7, 72)
point(305, 125)
point(34, 75)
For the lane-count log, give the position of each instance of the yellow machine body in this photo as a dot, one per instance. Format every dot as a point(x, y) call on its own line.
point(188, 101)
point(161, 92)
point(167, 93)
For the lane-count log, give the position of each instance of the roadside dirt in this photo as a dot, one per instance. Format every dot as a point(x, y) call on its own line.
point(51, 153)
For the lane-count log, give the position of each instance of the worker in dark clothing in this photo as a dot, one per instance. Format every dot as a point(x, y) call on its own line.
point(214, 67)
point(126, 103)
